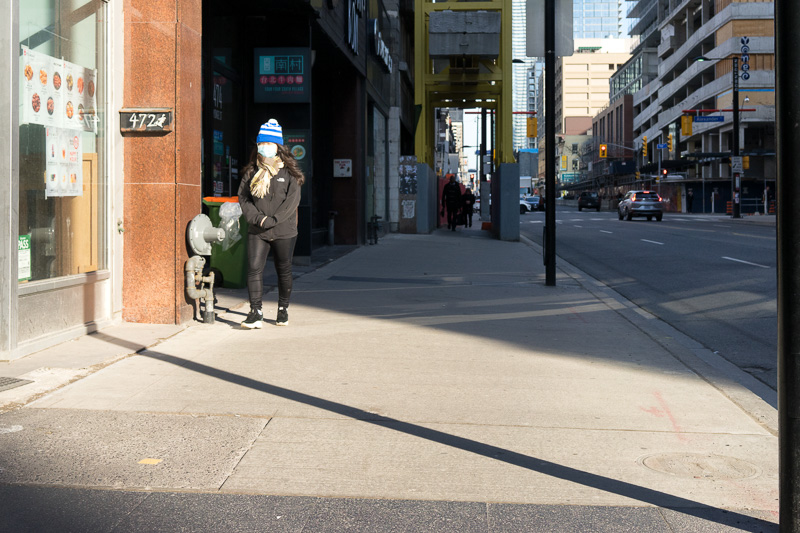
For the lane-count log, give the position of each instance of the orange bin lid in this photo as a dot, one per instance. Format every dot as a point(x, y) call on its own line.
point(221, 199)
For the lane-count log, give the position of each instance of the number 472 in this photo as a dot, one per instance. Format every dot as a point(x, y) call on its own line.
point(148, 120)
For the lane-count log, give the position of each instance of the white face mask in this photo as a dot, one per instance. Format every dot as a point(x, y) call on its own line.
point(268, 149)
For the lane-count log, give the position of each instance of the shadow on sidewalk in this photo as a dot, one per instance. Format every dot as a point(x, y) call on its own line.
point(621, 488)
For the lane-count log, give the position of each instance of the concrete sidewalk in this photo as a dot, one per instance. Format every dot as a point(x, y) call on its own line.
point(428, 383)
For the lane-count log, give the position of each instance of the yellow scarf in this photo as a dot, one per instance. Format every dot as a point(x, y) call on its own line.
point(267, 169)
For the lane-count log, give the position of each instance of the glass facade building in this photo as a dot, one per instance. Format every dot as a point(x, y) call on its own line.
point(599, 19)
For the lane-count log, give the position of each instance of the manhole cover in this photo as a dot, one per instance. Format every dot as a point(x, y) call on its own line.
point(700, 466)
point(10, 383)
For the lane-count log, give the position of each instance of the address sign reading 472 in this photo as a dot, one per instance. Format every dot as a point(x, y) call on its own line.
point(148, 120)
point(152, 120)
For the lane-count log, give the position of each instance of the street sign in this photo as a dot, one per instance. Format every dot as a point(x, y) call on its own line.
point(715, 118)
point(661, 146)
point(737, 165)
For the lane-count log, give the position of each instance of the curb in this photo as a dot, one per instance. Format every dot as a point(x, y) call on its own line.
point(752, 396)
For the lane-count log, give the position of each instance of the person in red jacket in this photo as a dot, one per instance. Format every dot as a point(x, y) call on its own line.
point(269, 195)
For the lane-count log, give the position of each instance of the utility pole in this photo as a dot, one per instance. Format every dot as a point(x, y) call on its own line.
point(787, 56)
point(550, 142)
point(737, 199)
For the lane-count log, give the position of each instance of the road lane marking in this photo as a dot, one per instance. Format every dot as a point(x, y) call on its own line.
point(653, 242)
point(577, 226)
point(745, 262)
point(753, 236)
point(604, 231)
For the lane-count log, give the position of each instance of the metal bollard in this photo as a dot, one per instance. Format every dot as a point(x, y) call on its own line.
point(331, 214)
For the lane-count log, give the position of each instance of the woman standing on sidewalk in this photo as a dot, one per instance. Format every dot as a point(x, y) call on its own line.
point(269, 195)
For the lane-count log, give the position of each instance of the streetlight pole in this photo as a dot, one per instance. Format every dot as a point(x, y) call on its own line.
point(735, 177)
point(550, 146)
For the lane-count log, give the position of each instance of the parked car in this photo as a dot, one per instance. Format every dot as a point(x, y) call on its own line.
point(589, 200)
point(641, 204)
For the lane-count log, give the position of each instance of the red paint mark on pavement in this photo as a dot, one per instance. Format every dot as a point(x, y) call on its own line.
point(576, 314)
point(664, 411)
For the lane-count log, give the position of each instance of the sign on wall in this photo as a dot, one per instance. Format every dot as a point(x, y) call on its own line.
point(151, 120)
point(342, 168)
point(282, 75)
point(298, 142)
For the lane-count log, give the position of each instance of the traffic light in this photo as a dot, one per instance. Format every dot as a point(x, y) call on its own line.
point(603, 150)
point(669, 142)
point(644, 146)
point(664, 173)
point(532, 127)
point(745, 162)
point(686, 126)
point(638, 175)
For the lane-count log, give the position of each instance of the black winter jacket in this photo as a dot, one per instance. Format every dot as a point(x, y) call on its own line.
point(279, 206)
point(451, 196)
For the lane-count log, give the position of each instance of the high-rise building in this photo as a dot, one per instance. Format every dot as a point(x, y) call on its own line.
point(520, 70)
point(669, 100)
point(592, 19)
point(599, 19)
point(581, 84)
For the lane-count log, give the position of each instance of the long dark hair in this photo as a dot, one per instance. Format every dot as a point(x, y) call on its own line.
point(289, 163)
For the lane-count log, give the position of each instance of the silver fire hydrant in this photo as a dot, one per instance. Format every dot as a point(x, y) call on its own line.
point(202, 234)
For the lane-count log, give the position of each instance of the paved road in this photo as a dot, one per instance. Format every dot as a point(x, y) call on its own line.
point(712, 278)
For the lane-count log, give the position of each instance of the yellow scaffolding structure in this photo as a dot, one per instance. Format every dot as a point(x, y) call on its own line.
point(467, 82)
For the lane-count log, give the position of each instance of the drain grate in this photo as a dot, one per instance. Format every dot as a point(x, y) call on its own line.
point(12, 383)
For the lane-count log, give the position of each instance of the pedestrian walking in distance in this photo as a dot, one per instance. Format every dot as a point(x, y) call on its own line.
point(451, 200)
point(269, 195)
point(467, 203)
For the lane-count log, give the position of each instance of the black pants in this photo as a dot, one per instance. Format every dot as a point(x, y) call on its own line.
point(468, 214)
point(282, 252)
point(452, 217)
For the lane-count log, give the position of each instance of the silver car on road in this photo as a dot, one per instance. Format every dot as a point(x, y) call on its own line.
point(641, 204)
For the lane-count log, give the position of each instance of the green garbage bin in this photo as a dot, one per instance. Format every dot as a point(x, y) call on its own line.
point(230, 263)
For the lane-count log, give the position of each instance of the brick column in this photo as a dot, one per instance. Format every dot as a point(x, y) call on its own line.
point(162, 173)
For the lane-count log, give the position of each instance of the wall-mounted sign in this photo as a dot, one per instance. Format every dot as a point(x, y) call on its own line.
point(379, 47)
point(355, 9)
point(299, 143)
point(282, 75)
point(148, 120)
point(342, 168)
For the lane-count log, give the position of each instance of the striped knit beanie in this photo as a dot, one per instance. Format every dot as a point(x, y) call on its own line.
point(270, 132)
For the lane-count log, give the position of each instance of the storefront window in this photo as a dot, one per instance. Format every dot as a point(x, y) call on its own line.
point(62, 187)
